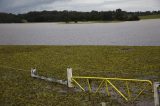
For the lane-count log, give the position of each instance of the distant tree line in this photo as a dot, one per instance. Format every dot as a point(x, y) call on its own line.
point(73, 16)
point(9, 18)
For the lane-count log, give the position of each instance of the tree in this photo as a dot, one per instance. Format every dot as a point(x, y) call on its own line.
point(121, 15)
point(74, 16)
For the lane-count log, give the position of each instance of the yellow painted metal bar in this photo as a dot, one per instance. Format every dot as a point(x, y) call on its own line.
point(99, 86)
point(117, 90)
point(140, 92)
point(78, 84)
point(128, 91)
point(107, 82)
point(89, 87)
point(107, 88)
point(121, 79)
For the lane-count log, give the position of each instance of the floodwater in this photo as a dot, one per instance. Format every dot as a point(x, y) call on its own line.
point(135, 33)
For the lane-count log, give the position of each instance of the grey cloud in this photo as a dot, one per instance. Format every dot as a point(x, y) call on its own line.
point(116, 1)
point(24, 5)
point(105, 5)
point(21, 6)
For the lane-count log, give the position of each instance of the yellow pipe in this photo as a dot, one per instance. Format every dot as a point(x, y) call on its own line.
point(117, 90)
point(101, 78)
point(140, 93)
point(107, 80)
point(129, 95)
point(89, 87)
point(99, 86)
point(78, 84)
point(107, 88)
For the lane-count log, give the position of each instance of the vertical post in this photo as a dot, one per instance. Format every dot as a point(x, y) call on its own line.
point(103, 103)
point(69, 76)
point(33, 72)
point(156, 95)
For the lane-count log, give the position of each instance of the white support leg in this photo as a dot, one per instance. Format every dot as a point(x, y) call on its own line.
point(33, 72)
point(103, 103)
point(69, 76)
point(156, 95)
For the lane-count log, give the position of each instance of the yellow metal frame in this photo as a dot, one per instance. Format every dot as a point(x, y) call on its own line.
point(108, 82)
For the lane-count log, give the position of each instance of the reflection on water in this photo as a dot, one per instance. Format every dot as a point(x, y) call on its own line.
point(145, 32)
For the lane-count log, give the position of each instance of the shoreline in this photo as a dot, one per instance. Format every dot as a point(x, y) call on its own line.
point(84, 22)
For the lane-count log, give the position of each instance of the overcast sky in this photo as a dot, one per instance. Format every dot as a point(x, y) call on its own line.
point(23, 6)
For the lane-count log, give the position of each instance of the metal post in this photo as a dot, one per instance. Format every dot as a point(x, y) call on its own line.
point(156, 95)
point(33, 72)
point(103, 103)
point(69, 77)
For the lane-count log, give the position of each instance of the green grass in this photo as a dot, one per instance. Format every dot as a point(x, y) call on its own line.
point(18, 88)
point(150, 17)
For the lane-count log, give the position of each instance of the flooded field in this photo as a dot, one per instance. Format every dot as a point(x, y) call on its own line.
point(141, 33)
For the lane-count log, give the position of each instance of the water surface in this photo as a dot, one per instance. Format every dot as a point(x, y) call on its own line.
point(141, 33)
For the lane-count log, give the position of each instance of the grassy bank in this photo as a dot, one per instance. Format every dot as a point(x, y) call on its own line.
point(90, 22)
point(18, 88)
point(150, 17)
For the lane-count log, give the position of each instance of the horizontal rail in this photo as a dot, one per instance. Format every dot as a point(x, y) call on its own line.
point(35, 75)
point(108, 81)
point(120, 79)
